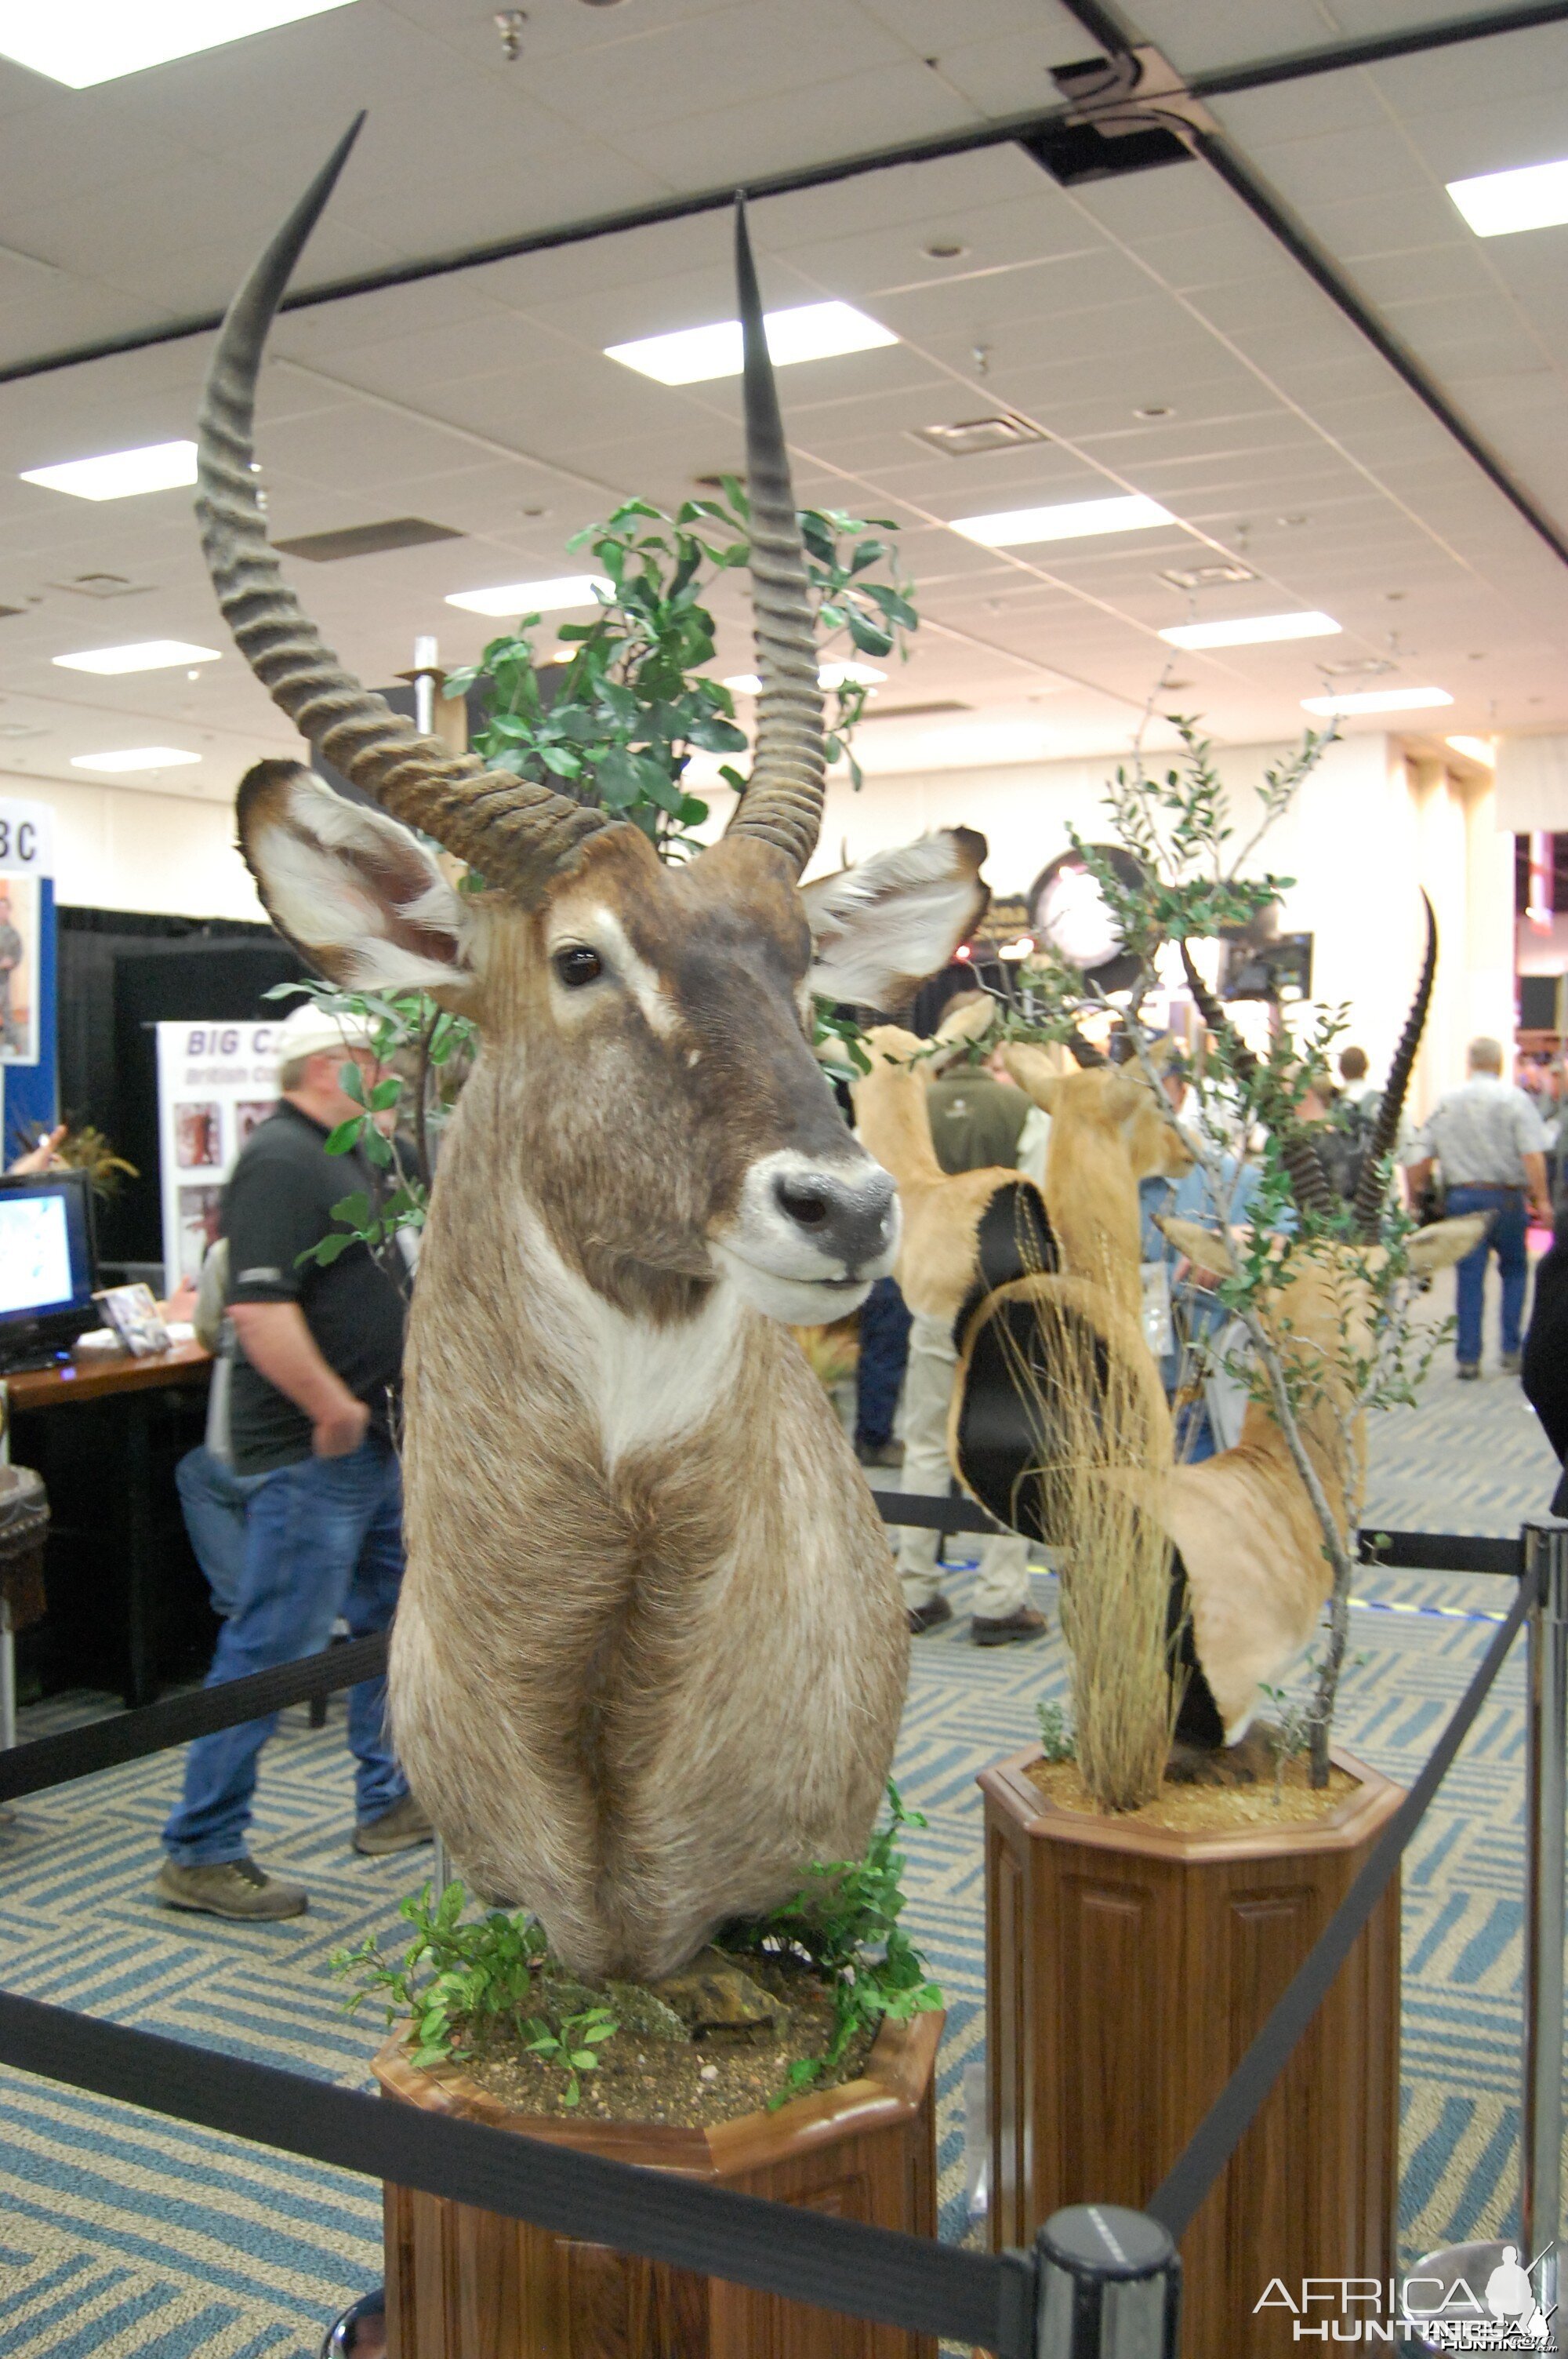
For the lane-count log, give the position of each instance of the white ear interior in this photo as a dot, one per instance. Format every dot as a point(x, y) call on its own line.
point(879, 929)
point(354, 887)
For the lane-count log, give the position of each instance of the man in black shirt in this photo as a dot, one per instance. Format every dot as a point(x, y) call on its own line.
point(314, 1400)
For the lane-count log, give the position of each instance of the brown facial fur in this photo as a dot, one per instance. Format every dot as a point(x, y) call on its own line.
point(702, 1048)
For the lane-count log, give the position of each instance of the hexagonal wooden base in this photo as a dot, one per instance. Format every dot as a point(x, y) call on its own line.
point(1128, 1969)
point(463, 2284)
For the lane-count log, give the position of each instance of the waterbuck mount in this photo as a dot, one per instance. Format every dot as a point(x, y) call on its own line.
point(651, 1654)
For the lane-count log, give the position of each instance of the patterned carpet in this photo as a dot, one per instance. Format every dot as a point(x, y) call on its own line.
point(123, 2236)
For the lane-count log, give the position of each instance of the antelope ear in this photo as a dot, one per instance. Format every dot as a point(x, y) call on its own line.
point(1204, 1248)
point(880, 929)
point(356, 894)
point(889, 1045)
point(1445, 1242)
point(1032, 1068)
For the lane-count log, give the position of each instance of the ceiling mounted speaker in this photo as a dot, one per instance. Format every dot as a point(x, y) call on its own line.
point(1067, 915)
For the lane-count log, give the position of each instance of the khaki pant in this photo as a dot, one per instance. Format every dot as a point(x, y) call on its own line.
point(1002, 1584)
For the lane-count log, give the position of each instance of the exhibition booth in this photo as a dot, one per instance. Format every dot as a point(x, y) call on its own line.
point(788, 1372)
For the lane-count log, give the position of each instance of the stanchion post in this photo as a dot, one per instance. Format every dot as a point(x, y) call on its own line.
point(1108, 2286)
point(1546, 1831)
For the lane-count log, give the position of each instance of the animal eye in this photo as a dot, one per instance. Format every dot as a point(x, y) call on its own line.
point(578, 965)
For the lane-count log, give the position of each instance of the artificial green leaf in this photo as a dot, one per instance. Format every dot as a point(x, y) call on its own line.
point(355, 1209)
point(345, 1135)
point(894, 603)
point(717, 736)
point(867, 637)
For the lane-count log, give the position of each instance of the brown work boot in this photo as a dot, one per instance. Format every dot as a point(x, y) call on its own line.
point(230, 1887)
point(928, 1617)
point(1007, 1630)
point(403, 1828)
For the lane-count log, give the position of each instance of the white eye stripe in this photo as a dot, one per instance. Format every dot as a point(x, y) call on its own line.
point(601, 930)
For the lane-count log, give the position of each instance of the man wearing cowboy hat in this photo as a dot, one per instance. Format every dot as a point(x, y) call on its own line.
point(313, 1409)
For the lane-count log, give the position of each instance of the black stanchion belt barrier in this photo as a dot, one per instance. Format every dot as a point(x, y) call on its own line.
point(1223, 2127)
point(1406, 1551)
point(834, 2264)
point(130, 1735)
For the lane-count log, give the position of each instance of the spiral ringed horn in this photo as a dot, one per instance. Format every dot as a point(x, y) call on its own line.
point(1303, 1165)
point(783, 801)
point(513, 831)
point(1369, 1204)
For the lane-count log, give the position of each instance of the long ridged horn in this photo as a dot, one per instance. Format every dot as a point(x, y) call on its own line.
point(1369, 1205)
point(513, 831)
point(1303, 1165)
point(783, 801)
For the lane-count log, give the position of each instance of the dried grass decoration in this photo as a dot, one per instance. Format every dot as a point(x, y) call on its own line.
point(1102, 1446)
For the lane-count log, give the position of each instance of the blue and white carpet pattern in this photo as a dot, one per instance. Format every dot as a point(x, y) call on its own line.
point(124, 2236)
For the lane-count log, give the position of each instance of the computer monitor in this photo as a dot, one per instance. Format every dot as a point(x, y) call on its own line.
point(46, 1266)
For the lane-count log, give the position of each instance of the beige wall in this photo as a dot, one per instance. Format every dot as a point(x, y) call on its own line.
point(126, 848)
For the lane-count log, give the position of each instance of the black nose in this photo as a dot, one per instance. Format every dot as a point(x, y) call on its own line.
point(847, 1219)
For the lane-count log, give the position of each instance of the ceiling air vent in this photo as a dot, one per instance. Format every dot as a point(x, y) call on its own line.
point(1208, 577)
point(103, 585)
point(1361, 668)
point(911, 712)
point(1004, 432)
point(367, 539)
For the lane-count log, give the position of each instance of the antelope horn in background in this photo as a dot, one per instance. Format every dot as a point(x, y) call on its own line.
point(1303, 1165)
point(783, 801)
point(1368, 1202)
point(513, 831)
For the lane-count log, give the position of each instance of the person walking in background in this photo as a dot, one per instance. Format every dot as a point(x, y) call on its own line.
point(1355, 1084)
point(313, 1405)
point(1488, 1140)
point(879, 1374)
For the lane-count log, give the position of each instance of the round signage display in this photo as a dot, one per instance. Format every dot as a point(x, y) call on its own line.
point(1068, 914)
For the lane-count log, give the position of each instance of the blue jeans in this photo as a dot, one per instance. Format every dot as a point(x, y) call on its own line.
point(885, 1352)
point(213, 1500)
point(323, 1538)
point(1507, 1239)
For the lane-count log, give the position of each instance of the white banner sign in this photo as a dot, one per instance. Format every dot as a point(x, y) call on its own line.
point(215, 1084)
point(26, 839)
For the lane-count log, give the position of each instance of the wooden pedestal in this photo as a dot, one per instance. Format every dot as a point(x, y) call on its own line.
point(463, 2284)
point(1128, 1969)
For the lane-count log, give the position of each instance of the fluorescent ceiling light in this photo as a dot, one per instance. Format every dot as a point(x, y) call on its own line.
point(1496, 203)
point(1250, 630)
point(535, 597)
point(135, 757)
point(80, 42)
point(1378, 699)
point(119, 475)
point(1074, 521)
point(833, 675)
point(811, 331)
point(148, 655)
point(1478, 749)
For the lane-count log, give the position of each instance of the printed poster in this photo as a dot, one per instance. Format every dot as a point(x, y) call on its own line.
point(215, 1084)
